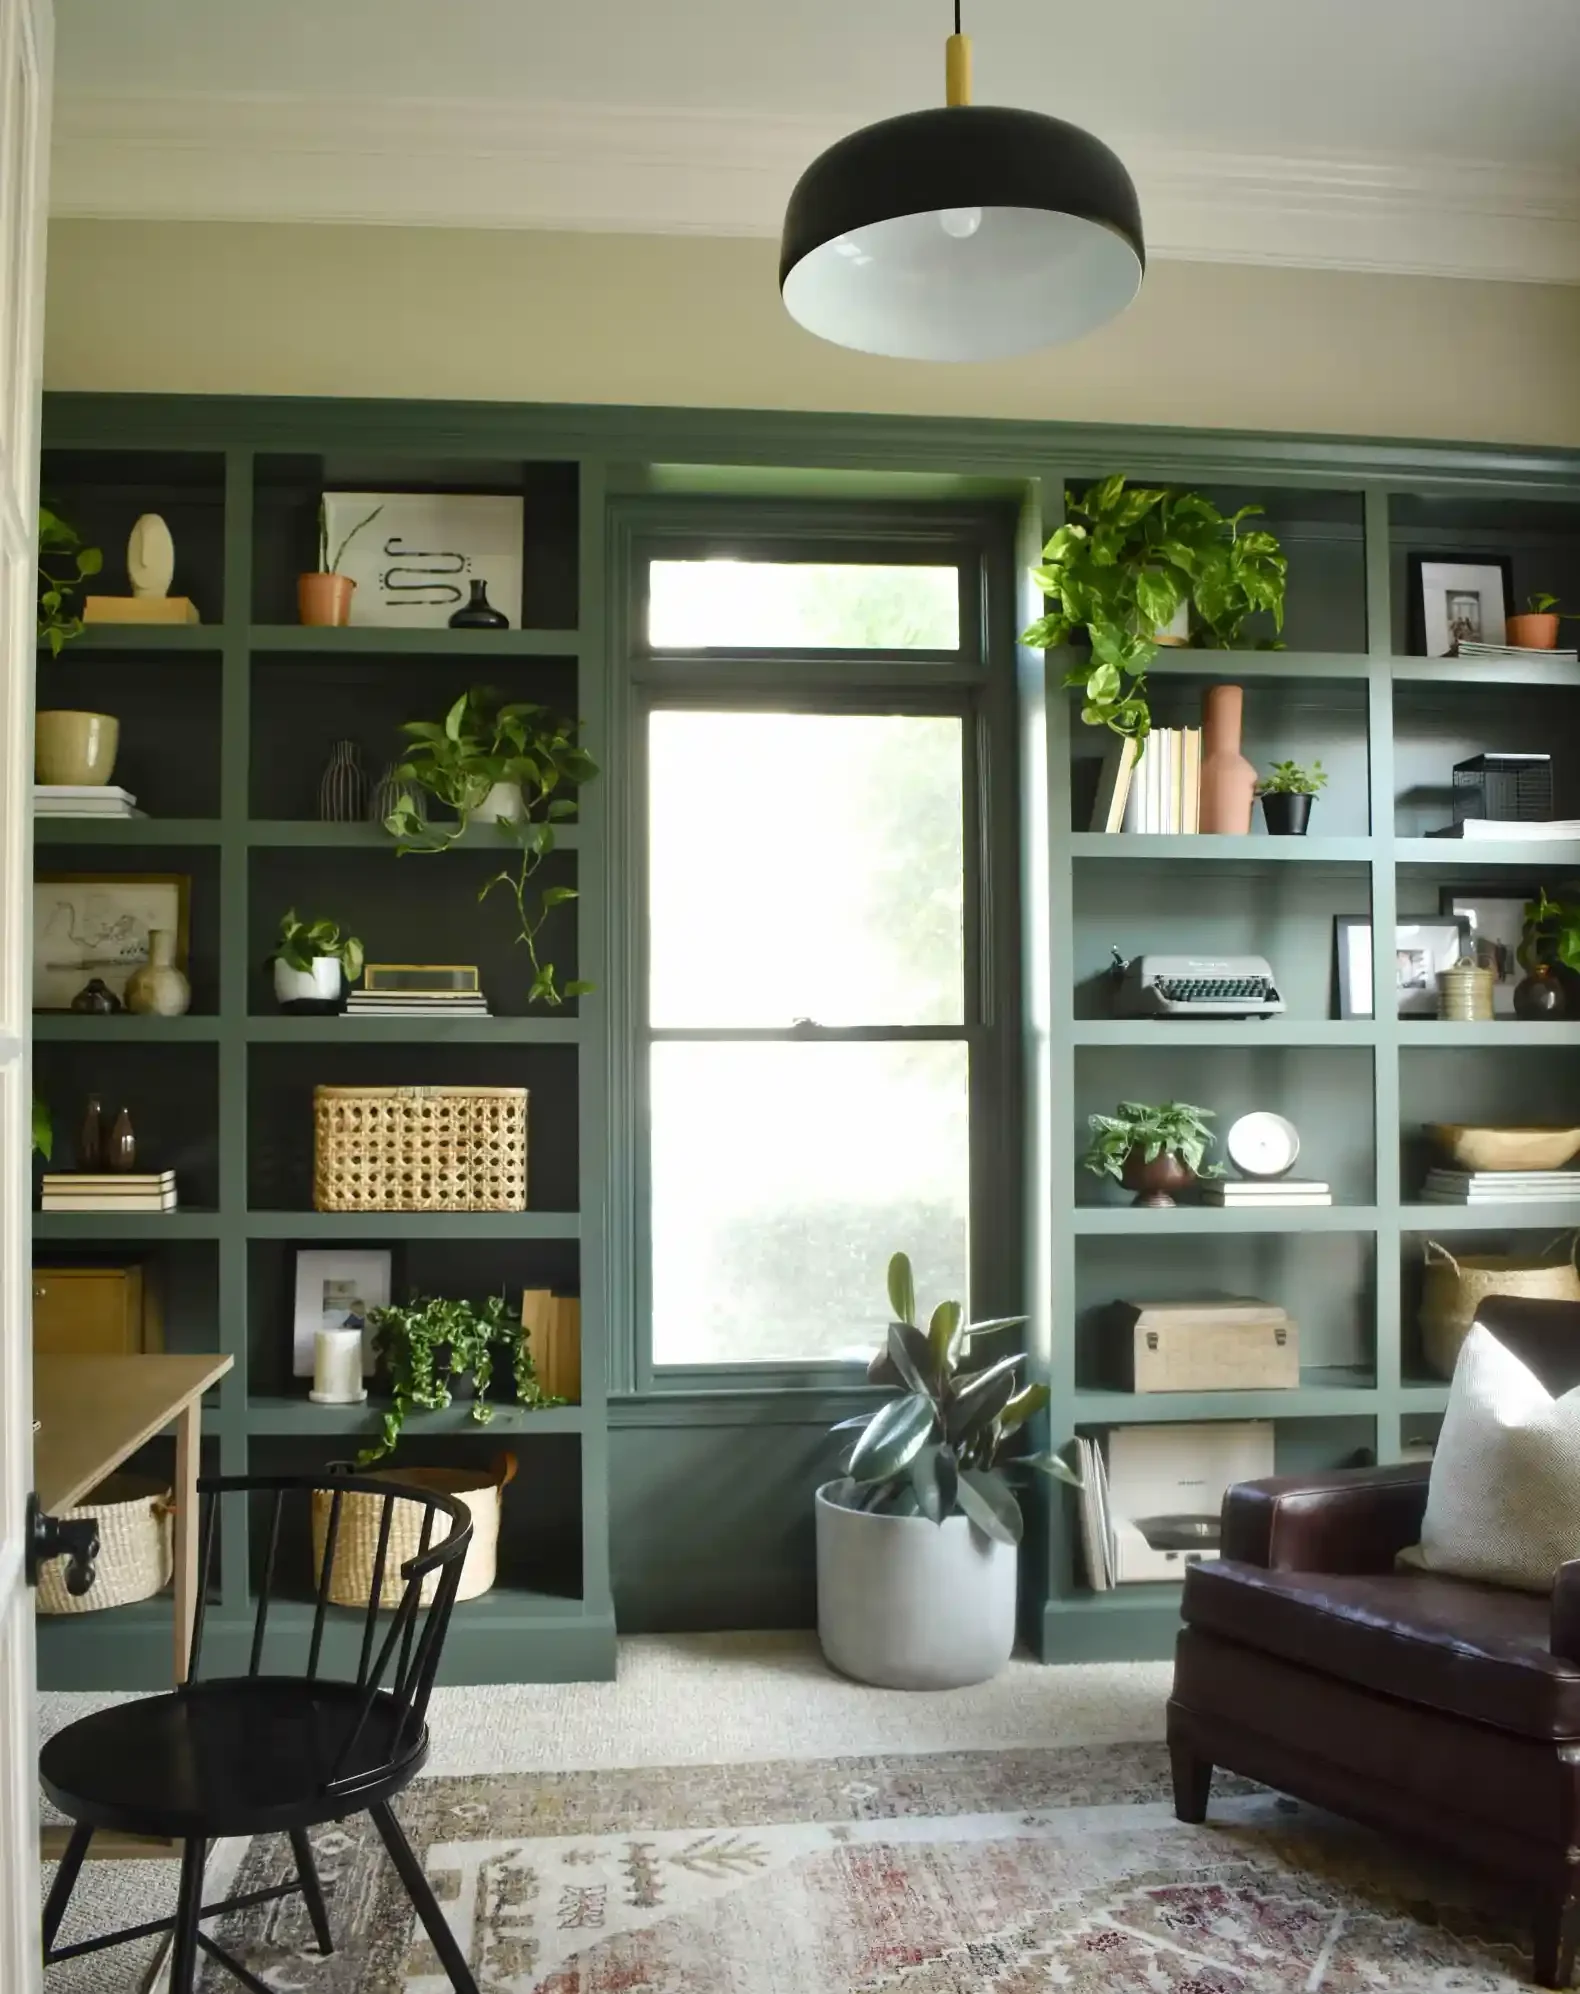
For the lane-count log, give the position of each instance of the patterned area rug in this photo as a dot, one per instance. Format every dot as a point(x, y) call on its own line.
point(957, 1873)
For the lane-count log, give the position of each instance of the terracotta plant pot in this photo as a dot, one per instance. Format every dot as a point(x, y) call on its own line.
point(1228, 781)
point(75, 747)
point(1155, 1182)
point(1287, 814)
point(1534, 633)
point(324, 601)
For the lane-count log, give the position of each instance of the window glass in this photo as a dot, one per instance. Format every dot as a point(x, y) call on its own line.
point(805, 866)
point(802, 605)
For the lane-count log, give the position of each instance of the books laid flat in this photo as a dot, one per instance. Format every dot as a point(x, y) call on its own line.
point(63, 799)
point(87, 1202)
point(1234, 1195)
point(1498, 1187)
point(109, 1191)
point(109, 1180)
point(1475, 829)
point(1515, 653)
point(417, 1007)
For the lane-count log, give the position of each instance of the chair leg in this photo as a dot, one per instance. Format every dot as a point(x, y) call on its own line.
point(1554, 1933)
point(189, 1904)
point(312, 1889)
point(423, 1900)
point(1192, 1781)
point(65, 1882)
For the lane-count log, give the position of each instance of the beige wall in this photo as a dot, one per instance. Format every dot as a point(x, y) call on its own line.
point(264, 308)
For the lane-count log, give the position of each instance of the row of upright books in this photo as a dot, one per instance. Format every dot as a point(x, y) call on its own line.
point(1155, 788)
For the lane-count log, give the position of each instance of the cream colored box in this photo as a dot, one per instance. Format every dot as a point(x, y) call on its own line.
point(1232, 1355)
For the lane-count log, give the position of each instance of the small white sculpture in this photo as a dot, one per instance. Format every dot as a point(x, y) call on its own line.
point(150, 556)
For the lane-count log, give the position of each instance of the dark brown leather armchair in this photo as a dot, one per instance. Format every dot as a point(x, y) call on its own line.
point(1444, 1710)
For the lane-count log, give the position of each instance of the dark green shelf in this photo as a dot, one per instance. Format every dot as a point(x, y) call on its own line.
point(1547, 1215)
point(1094, 1220)
point(299, 1416)
point(1548, 856)
point(1178, 661)
point(1439, 1033)
point(414, 1225)
point(1251, 850)
point(343, 1030)
point(126, 831)
point(88, 1227)
point(1242, 1032)
point(1328, 1391)
point(1485, 671)
point(373, 837)
point(145, 639)
point(361, 643)
point(125, 1027)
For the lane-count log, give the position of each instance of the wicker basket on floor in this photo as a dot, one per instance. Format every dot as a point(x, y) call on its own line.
point(357, 1533)
point(134, 1562)
point(420, 1149)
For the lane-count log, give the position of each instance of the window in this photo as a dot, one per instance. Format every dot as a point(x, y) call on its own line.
point(813, 1025)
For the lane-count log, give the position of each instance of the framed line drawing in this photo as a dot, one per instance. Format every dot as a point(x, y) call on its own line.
point(97, 924)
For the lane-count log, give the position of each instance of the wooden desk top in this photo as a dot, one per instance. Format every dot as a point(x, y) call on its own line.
point(94, 1411)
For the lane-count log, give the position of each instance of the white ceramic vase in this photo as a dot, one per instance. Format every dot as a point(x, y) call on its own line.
point(909, 1604)
point(319, 986)
point(502, 803)
point(158, 989)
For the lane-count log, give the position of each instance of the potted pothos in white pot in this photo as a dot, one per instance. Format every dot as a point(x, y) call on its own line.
point(313, 962)
point(917, 1562)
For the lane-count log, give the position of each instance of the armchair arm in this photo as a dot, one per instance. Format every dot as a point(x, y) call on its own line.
point(1348, 1520)
point(1565, 1641)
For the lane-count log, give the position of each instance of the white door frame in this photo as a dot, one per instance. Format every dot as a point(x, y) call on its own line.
point(26, 54)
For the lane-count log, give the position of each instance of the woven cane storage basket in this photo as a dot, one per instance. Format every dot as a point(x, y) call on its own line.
point(134, 1562)
point(1454, 1286)
point(357, 1536)
point(420, 1149)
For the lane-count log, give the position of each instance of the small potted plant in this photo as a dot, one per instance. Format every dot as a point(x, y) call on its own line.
point(432, 1351)
point(916, 1544)
point(1536, 627)
point(1287, 791)
point(500, 764)
point(1153, 1151)
point(1549, 953)
point(313, 962)
point(323, 600)
point(1121, 567)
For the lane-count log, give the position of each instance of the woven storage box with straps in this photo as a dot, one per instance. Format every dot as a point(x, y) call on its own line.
point(1454, 1286)
point(357, 1532)
point(420, 1149)
point(133, 1515)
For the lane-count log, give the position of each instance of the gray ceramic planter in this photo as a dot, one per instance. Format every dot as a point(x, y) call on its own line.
point(909, 1604)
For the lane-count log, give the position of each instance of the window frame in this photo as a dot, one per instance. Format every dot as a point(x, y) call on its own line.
point(974, 684)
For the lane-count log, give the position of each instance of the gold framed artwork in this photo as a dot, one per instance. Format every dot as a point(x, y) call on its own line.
point(89, 924)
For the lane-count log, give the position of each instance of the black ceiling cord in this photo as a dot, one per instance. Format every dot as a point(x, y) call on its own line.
point(957, 16)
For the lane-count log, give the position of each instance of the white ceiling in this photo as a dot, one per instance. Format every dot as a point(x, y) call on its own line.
point(1433, 135)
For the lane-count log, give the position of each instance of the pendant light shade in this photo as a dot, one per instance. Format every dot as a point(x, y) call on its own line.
point(967, 233)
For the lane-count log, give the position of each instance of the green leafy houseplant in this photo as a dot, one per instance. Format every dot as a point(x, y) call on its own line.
point(429, 1345)
point(458, 761)
point(302, 943)
point(326, 566)
point(1119, 568)
point(43, 1127)
point(64, 564)
point(942, 1447)
point(1290, 779)
point(1174, 1128)
point(1552, 933)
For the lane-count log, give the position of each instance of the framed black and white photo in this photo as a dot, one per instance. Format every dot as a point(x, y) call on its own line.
point(1496, 922)
point(337, 1288)
point(1422, 951)
point(1457, 602)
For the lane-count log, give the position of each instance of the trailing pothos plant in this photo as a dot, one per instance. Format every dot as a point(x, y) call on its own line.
point(302, 943)
point(64, 564)
point(945, 1446)
point(459, 760)
point(1119, 568)
point(428, 1345)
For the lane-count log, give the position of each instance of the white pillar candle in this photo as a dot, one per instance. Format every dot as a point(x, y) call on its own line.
point(337, 1368)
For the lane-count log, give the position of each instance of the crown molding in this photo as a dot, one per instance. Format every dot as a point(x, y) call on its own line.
point(490, 164)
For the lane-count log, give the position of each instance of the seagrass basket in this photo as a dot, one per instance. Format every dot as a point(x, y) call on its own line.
point(420, 1149)
point(1454, 1286)
point(357, 1533)
point(134, 1562)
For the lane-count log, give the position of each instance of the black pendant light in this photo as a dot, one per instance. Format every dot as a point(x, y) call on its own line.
point(969, 233)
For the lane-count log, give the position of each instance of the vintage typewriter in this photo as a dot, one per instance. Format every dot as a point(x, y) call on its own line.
point(1196, 986)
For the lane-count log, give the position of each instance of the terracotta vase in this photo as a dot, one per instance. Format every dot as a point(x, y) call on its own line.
point(158, 989)
point(74, 747)
point(1154, 1183)
point(1534, 633)
point(324, 601)
point(1228, 781)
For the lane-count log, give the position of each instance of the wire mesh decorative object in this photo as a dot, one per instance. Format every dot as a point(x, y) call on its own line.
point(420, 1149)
point(1504, 789)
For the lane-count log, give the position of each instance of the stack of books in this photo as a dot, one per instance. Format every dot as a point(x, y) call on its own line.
point(417, 1004)
point(83, 799)
point(1499, 1187)
point(109, 1191)
point(554, 1337)
point(1506, 831)
point(1515, 653)
point(1153, 787)
point(1241, 1194)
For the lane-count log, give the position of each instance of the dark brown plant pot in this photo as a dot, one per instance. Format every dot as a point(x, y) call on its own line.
point(1544, 992)
point(1287, 815)
point(1154, 1183)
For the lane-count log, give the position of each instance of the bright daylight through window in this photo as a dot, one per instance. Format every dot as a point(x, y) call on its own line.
point(808, 1055)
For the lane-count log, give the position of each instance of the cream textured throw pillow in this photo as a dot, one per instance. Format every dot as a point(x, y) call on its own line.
point(1504, 1500)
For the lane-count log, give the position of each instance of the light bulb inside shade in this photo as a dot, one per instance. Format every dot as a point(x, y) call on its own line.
point(960, 222)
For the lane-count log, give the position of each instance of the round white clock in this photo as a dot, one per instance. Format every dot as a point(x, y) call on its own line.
point(1263, 1145)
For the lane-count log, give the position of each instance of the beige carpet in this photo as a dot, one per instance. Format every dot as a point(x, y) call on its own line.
point(726, 1699)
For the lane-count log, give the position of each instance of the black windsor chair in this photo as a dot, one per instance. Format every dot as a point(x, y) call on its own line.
point(272, 1753)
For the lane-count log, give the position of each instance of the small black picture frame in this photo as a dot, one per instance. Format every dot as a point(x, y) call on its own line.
point(1417, 584)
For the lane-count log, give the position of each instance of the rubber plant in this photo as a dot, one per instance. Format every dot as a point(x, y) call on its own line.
point(945, 1444)
point(1118, 570)
point(64, 564)
point(430, 1344)
point(301, 943)
point(458, 761)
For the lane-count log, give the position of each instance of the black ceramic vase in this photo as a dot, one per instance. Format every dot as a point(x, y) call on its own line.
point(479, 613)
point(96, 998)
point(1287, 814)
